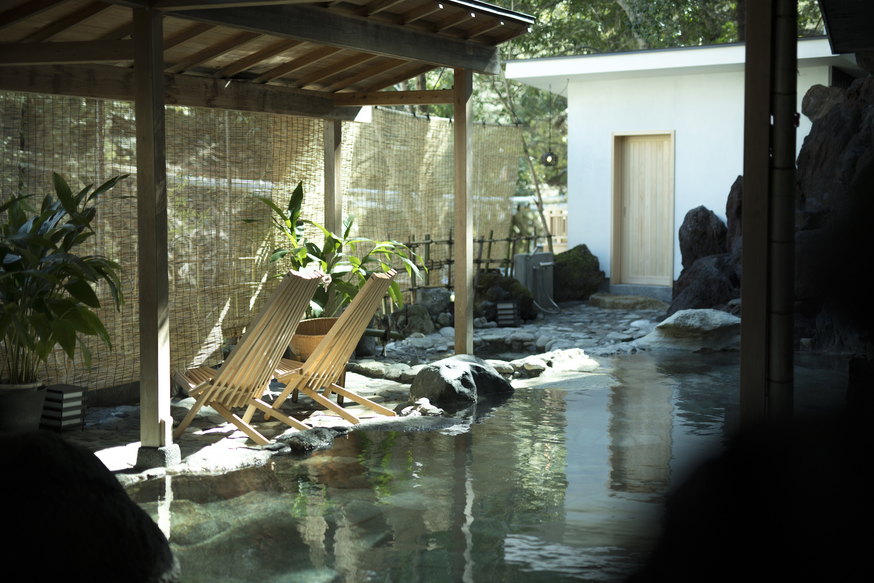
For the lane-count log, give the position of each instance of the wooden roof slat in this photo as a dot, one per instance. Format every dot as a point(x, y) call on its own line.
point(437, 97)
point(119, 32)
point(376, 6)
point(451, 21)
point(366, 74)
point(207, 5)
point(333, 69)
point(303, 61)
point(58, 26)
point(409, 74)
point(25, 11)
point(212, 51)
point(66, 52)
point(186, 35)
point(483, 27)
point(422, 11)
point(255, 58)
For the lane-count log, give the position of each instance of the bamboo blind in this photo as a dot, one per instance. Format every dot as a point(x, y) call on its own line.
point(398, 181)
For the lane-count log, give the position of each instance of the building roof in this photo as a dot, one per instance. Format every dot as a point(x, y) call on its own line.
point(556, 72)
point(304, 53)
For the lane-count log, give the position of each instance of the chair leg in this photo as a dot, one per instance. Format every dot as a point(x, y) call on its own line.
point(201, 401)
point(244, 427)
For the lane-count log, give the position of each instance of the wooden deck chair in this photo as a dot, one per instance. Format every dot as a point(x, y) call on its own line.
point(245, 374)
point(325, 365)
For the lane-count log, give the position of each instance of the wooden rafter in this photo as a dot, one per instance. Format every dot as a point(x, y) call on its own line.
point(366, 74)
point(439, 97)
point(212, 52)
point(326, 72)
point(401, 77)
point(60, 53)
point(451, 21)
point(25, 11)
point(293, 65)
point(255, 58)
point(70, 20)
point(376, 6)
point(422, 11)
point(186, 35)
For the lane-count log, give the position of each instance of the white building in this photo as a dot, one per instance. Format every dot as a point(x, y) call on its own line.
point(651, 135)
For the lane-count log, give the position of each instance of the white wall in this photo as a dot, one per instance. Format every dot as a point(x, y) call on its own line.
point(705, 111)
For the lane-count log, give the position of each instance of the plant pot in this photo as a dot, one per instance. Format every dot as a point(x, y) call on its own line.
point(21, 407)
point(308, 335)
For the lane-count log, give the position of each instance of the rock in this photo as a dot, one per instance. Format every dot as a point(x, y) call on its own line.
point(695, 330)
point(734, 225)
point(420, 408)
point(409, 375)
point(620, 302)
point(421, 343)
point(701, 234)
point(645, 326)
point(571, 360)
point(369, 368)
point(367, 346)
point(445, 319)
point(819, 100)
point(447, 332)
point(317, 438)
point(458, 381)
point(71, 518)
point(435, 299)
point(576, 275)
point(865, 60)
point(413, 318)
point(396, 371)
point(706, 284)
point(517, 293)
point(503, 367)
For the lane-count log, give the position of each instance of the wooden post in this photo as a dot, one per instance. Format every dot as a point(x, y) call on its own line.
point(449, 284)
point(426, 260)
point(156, 424)
point(333, 175)
point(463, 104)
point(754, 288)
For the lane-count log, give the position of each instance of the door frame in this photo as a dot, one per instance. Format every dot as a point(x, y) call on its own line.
point(616, 199)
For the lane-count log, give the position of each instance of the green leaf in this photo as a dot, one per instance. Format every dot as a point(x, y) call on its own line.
point(80, 290)
point(65, 195)
point(96, 326)
point(65, 334)
point(394, 292)
point(86, 354)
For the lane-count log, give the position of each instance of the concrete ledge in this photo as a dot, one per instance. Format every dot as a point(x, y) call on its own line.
point(659, 292)
point(158, 457)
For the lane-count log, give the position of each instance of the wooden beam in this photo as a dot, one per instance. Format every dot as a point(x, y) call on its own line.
point(484, 27)
point(116, 83)
point(757, 145)
point(255, 58)
point(451, 21)
point(212, 52)
point(294, 64)
point(326, 72)
point(439, 97)
point(351, 32)
point(72, 52)
point(366, 74)
point(25, 11)
point(418, 12)
point(51, 30)
point(119, 32)
point(464, 291)
point(156, 423)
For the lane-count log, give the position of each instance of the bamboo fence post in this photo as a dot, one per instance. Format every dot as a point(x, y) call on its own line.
point(489, 251)
point(427, 260)
point(479, 258)
point(449, 264)
point(412, 275)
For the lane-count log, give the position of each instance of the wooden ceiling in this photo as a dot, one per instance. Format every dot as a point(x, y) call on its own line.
point(300, 57)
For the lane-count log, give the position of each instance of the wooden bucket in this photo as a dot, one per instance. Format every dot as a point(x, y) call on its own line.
point(308, 335)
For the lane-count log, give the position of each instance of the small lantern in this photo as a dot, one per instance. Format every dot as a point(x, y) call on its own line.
point(550, 158)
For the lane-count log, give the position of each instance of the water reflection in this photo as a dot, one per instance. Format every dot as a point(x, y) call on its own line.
point(563, 482)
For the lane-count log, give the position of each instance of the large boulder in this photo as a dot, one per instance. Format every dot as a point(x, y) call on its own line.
point(70, 519)
point(435, 299)
point(695, 330)
point(413, 318)
point(819, 100)
point(734, 225)
point(701, 234)
point(710, 282)
point(834, 182)
point(458, 381)
point(577, 274)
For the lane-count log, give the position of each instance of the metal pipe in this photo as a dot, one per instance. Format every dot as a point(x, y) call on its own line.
point(781, 243)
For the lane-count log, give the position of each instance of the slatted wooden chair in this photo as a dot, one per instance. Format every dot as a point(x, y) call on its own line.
point(245, 374)
point(324, 366)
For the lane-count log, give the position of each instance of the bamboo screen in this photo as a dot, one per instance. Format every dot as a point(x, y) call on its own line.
point(397, 179)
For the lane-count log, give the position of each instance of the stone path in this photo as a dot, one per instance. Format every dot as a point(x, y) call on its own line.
point(212, 445)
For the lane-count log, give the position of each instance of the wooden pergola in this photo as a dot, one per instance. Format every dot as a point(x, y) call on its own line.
point(313, 58)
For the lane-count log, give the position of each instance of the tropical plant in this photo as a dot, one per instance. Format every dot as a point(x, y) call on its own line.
point(336, 257)
point(45, 285)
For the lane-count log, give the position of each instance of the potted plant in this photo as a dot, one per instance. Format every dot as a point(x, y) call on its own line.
point(45, 288)
point(336, 258)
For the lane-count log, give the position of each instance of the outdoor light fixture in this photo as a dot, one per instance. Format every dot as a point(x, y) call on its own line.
point(550, 158)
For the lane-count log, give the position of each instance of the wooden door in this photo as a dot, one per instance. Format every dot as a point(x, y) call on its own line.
point(643, 205)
